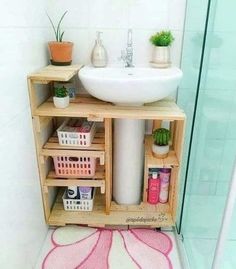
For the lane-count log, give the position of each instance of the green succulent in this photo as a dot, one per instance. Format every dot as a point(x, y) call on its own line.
point(162, 39)
point(60, 92)
point(57, 29)
point(161, 137)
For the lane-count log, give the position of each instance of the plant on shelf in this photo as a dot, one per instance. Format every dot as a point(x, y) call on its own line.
point(61, 98)
point(161, 50)
point(160, 147)
point(60, 51)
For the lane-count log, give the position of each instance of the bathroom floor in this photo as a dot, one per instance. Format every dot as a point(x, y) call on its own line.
point(63, 237)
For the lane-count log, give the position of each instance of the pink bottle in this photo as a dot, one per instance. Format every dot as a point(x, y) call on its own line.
point(153, 189)
point(164, 185)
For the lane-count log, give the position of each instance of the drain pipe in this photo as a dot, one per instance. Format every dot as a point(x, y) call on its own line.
point(226, 222)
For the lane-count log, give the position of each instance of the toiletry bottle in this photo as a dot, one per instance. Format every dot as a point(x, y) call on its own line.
point(164, 186)
point(85, 193)
point(153, 189)
point(72, 192)
point(99, 54)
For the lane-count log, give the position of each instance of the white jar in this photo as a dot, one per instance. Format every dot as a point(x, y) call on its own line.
point(61, 102)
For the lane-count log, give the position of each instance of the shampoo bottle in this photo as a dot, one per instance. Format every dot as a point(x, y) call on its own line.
point(99, 54)
point(153, 189)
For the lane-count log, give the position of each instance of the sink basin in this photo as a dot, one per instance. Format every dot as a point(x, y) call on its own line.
point(130, 86)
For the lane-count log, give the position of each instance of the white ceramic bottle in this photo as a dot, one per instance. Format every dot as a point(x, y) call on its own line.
point(99, 55)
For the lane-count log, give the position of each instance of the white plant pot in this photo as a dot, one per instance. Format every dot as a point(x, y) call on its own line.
point(161, 56)
point(160, 152)
point(61, 102)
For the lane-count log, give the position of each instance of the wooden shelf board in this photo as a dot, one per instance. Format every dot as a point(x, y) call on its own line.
point(98, 183)
point(162, 110)
point(100, 174)
point(55, 73)
point(152, 162)
point(98, 143)
point(156, 216)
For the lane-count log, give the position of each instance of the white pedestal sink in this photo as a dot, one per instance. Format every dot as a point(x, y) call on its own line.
point(129, 87)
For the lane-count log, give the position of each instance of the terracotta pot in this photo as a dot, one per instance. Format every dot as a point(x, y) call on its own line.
point(61, 52)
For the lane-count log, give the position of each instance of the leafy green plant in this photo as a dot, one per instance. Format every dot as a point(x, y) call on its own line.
point(162, 39)
point(60, 92)
point(57, 29)
point(161, 137)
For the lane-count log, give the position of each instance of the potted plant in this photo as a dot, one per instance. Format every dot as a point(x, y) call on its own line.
point(60, 51)
point(61, 98)
point(161, 50)
point(160, 147)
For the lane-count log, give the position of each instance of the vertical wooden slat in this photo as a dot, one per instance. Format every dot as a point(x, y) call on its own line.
point(41, 166)
point(108, 162)
point(32, 96)
point(145, 180)
point(178, 147)
point(156, 124)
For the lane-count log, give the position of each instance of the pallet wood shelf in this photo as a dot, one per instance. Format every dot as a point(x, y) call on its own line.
point(152, 162)
point(106, 211)
point(144, 214)
point(162, 110)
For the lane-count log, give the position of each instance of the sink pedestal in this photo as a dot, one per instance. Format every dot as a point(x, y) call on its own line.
point(128, 160)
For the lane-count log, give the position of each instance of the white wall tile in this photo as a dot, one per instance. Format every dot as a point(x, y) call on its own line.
point(108, 14)
point(77, 16)
point(23, 13)
point(176, 14)
point(152, 14)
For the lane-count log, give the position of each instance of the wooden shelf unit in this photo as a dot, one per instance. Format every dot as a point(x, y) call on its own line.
point(106, 211)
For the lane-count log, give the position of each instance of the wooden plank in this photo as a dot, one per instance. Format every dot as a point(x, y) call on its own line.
point(41, 167)
point(55, 73)
point(51, 182)
point(178, 146)
point(99, 174)
point(108, 162)
point(159, 111)
point(154, 218)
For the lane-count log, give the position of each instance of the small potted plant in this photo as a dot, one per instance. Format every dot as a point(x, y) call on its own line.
point(161, 50)
point(160, 147)
point(60, 51)
point(61, 98)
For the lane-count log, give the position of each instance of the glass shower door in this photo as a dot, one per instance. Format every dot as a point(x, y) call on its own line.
point(212, 133)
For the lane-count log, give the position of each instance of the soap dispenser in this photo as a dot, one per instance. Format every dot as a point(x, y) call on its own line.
point(99, 54)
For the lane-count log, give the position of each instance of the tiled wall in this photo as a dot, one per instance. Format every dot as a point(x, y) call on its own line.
point(22, 47)
point(113, 18)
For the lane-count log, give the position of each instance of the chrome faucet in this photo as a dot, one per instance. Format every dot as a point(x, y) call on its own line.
point(127, 56)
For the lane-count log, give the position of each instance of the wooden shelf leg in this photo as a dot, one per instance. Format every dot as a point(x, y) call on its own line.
point(108, 162)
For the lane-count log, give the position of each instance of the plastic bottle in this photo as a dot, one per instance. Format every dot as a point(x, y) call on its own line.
point(72, 192)
point(164, 185)
point(153, 189)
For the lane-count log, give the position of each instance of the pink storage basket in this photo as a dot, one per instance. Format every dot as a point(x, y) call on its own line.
point(74, 166)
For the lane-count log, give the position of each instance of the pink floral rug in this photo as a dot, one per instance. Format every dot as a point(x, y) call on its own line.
point(76, 247)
